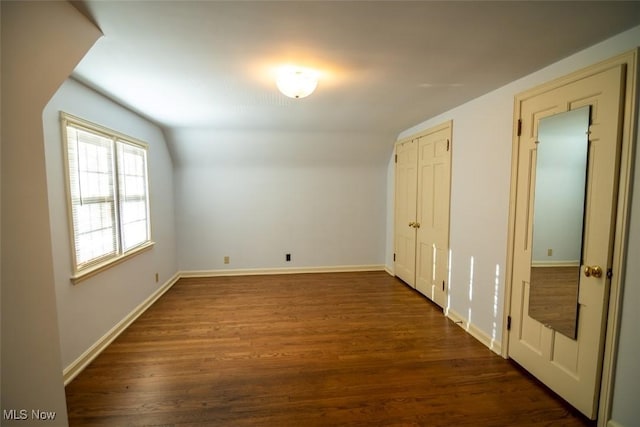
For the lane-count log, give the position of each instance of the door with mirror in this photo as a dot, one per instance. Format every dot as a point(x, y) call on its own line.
point(566, 172)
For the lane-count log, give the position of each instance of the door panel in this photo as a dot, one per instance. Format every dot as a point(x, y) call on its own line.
point(405, 211)
point(572, 368)
point(434, 187)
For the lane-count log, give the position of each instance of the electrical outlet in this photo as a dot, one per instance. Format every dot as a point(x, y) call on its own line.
point(157, 278)
point(287, 257)
point(226, 259)
point(549, 252)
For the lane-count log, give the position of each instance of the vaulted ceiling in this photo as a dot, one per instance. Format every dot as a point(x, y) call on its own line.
point(385, 65)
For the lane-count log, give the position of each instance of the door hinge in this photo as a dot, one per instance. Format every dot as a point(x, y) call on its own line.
point(396, 158)
point(448, 144)
point(394, 257)
point(443, 286)
point(609, 273)
point(508, 323)
point(519, 130)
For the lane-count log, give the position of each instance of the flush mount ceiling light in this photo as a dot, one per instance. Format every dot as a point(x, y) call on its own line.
point(296, 82)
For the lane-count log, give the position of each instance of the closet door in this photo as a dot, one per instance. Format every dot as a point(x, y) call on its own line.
point(569, 363)
point(405, 211)
point(423, 191)
point(434, 190)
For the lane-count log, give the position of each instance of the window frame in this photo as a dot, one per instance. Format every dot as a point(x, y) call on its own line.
point(87, 269)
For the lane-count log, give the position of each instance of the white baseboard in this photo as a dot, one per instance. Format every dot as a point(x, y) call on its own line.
point(474, 331)
point(561, 263)
point(390, 270)
point(71, 371)
point(292, 270)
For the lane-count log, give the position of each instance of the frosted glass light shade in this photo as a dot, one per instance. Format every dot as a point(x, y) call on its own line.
point(297, 82)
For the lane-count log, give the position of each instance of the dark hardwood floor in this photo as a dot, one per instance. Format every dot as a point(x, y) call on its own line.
point(345, 349)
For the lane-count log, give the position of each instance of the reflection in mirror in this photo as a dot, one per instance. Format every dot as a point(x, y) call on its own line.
point(558, 217)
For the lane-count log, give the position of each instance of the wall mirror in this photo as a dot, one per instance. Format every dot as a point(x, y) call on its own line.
point(558, 217)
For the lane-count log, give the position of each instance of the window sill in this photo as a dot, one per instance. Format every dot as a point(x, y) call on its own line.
point(99, 268)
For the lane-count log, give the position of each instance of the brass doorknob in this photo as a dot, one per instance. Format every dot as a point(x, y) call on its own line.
point(417, 225)
point(412, 224)
point(595, 271)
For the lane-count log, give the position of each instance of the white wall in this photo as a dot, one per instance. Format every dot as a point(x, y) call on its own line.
point(88, 310)
point(255, 196)
point(41, 44)
point(481, 165)
point(481, 172)
point(625, 409)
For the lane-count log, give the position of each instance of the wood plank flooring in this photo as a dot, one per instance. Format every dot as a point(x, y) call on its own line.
point(344, 349)
point(553, 297)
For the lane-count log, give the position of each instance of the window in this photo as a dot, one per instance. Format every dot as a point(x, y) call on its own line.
point(108, 195)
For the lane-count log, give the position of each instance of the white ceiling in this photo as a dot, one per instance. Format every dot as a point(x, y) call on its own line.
point(385, 66)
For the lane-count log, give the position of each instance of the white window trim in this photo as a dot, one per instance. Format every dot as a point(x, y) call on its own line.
point(92, 269)
point(95, 269)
